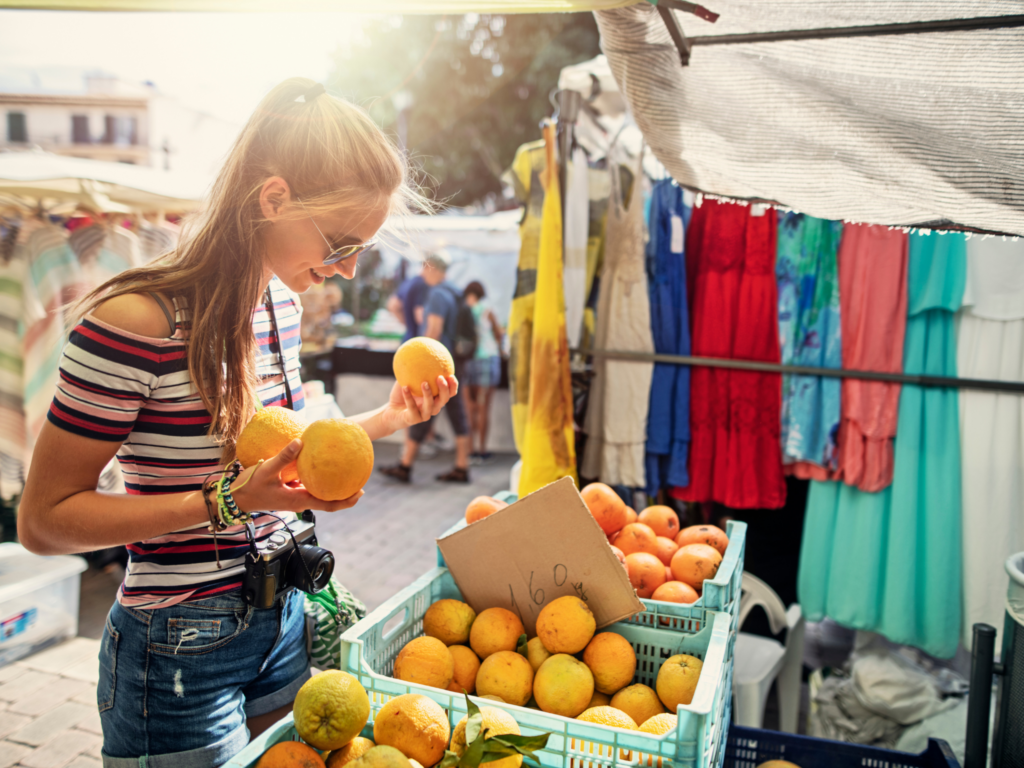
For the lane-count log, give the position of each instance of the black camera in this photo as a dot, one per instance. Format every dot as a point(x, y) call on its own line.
point(287, 559)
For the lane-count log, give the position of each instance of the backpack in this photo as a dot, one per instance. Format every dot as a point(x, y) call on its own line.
point(465, 330)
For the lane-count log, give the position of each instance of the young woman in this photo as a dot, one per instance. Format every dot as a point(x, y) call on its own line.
point(163, 371)
point(483, 371)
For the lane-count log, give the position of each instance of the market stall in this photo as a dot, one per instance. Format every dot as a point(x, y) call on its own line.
point(784, 287)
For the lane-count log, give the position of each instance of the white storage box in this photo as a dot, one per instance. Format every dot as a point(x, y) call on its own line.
point(38, 600)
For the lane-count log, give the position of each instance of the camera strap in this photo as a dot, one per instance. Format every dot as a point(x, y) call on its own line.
point(250, 534)
point(269, 303)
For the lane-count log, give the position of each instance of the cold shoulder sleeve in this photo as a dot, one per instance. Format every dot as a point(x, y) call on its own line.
point(106, 377)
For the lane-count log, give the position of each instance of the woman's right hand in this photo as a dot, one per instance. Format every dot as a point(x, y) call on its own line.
point(265, 491)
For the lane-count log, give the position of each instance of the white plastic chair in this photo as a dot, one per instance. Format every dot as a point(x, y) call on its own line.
point(760, 660)
point(513, 476)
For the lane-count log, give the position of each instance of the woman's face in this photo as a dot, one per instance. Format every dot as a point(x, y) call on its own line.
point(296, 249)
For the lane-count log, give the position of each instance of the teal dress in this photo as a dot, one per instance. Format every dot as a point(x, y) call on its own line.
point(890, 562)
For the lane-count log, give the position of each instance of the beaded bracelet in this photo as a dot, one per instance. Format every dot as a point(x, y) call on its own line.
point(230, 514)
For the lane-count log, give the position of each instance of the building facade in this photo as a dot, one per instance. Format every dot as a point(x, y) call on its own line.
point(104, 123)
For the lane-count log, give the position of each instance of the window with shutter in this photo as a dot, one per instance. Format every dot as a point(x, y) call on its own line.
point(80, 129)
point(17, 130)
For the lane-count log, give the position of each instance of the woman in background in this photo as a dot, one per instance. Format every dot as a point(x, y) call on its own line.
point(483, 370)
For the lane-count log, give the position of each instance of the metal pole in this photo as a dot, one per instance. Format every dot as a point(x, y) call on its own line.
point(913, 27)
point(1015, 387)
point(979, 696)
point(568, 111)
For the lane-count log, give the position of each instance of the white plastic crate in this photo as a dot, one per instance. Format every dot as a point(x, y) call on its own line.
point(38, 601)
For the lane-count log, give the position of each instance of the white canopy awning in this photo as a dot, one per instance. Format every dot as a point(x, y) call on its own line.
point(53, 179)
point(345, 6)
point(895, 129)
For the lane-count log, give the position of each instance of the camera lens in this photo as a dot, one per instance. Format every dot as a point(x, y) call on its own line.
point(310, 568)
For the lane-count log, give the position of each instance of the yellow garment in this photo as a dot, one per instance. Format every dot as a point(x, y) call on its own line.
point(549, 446)
point(381, 6)
point(524, 176)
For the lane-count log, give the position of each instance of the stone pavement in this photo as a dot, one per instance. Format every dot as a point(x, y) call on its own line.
point(48, 716)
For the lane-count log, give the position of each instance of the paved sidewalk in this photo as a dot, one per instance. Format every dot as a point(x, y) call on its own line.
point(48, 716)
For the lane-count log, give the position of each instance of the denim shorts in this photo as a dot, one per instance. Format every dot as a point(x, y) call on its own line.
point(176, 684)
point(483, 372)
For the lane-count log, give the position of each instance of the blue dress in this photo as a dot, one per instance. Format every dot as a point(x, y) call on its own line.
point(809, 334)
point(891, 562)
point(668, 419)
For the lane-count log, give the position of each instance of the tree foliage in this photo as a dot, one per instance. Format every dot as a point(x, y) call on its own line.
point(477, 87)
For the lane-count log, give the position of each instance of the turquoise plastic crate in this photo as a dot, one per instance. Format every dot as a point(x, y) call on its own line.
point(368, 651)
point(721, 593)
point(282, 730)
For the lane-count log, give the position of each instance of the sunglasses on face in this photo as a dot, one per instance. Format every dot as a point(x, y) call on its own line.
point(339, 253)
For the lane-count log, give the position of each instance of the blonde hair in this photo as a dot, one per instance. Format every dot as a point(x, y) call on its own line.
point(334, 158)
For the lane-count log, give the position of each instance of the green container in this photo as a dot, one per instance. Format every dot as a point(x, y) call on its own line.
point(369, 649)
point(721, 593)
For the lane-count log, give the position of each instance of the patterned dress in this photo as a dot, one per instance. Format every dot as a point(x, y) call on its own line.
point(809, 334)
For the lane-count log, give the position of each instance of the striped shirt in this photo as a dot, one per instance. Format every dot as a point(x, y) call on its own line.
point(135, 390)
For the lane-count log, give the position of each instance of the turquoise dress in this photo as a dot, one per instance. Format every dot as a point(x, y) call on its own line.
point(890, 562)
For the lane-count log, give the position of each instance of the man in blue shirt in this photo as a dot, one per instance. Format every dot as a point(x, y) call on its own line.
point(441, 314)
point(407, 304)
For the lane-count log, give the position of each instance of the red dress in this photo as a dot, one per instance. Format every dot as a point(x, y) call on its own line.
point(735, 455)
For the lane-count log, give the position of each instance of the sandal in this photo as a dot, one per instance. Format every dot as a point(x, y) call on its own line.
point(399, 472)
point(457, 475)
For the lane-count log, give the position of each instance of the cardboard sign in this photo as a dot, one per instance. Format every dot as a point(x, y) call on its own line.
point(544, 546)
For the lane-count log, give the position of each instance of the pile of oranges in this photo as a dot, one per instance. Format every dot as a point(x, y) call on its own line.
point(568, 669)
point(663, 562)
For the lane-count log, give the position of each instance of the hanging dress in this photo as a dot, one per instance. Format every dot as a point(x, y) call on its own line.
point(54, 278)
point(873, 299)
point(621, 390)
point(990, 345)
point(890, 561)
point(735, 454)
point(524, 177)
point(577, 233)
point(668, 422)
point(809, 334)
point(549, 443)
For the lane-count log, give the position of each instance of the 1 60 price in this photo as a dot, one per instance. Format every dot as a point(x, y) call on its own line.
point(537, 594)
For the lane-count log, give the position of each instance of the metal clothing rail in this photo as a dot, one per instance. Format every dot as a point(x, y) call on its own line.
point(684, 44)
point(988, 385)
point(871, 30)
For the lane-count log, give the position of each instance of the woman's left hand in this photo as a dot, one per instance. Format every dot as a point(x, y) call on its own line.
point(405, 408)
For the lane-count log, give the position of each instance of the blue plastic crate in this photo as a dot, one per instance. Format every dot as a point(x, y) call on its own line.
point(749, 747)
point(369, 650)
point(721, 593)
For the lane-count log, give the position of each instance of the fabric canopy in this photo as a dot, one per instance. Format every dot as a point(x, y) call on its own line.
point(347, 6)
point(901, 129)
point(111, 187)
